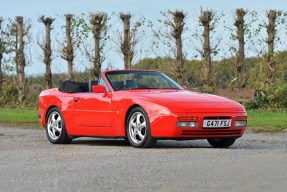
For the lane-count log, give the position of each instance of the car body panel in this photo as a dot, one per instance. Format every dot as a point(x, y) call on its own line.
point(93, 114)
point(105, 114)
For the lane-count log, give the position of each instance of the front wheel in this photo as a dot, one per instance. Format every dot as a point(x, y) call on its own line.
point(56, 128)
point(138, 129)
point(221, 142)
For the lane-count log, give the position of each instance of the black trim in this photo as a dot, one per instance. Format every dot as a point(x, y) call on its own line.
point(73, 87)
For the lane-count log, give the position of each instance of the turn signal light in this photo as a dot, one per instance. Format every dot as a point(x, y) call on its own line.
point(187, 118)
point(241, 118)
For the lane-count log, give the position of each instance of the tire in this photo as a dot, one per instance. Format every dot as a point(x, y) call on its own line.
point(138, 129)
point(221, 142)
point(56, 128)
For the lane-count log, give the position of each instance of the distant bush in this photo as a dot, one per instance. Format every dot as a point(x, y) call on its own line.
point(280, 96)
point(9, 95)
point(270, 96)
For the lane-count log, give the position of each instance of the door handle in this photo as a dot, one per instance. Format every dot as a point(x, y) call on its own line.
point(77, 100)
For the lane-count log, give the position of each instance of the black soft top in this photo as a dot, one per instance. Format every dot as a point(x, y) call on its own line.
point(74, 87)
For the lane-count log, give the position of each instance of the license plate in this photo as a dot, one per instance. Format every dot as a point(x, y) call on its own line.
point(216, 123)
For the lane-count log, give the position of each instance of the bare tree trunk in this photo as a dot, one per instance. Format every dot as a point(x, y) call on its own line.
point(240, 66)
point(68, 51)
point(178, 20)
point(20, 59)
point(1, 57)
point(1, 72)
point(97, 22)
point(271, 31)
point(126, 44)
point(205, 19)
point(47, 50)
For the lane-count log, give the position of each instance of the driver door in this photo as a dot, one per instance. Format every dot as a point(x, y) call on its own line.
point(92, 114)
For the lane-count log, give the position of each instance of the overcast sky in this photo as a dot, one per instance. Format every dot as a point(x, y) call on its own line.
point(32, 9)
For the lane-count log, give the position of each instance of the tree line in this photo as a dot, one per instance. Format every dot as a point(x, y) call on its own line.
point(169, 37)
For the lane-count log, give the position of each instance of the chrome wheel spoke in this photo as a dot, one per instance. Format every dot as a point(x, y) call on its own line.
point(133, 124)
point(56, 128)
point(140, 135)
point(54, 118)
point(58, 124)
point(54, 131)
point(137, 124)
point(142, 125)
point(138, 119)
point(58, 120)
point(54, 125)
point(134, 134)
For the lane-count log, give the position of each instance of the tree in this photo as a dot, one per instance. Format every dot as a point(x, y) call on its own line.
point(68, 50)
point(169, 37)
point(94, 28)
point(177, 29)
point(22, 31)
point(244, 35)
point(206, 19)
point(271, 32)
point(7, 46)
point(1, 57)
point(98, 22)
point(240, 52)
point(126, 41)
point(47, 21)
point(129, 40)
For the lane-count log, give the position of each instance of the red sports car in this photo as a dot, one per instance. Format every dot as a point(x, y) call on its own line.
point(141, 106)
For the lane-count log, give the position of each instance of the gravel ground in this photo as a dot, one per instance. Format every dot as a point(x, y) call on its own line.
point(28, 162)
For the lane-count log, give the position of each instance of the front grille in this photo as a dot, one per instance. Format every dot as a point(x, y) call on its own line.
point(210, 132)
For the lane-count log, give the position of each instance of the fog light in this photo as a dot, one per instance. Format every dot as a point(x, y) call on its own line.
point(186, 124)
point(240, 123)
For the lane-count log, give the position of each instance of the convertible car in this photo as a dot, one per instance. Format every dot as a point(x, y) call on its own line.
point(140, 106)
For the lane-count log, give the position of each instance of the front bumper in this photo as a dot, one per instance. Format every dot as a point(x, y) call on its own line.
point(164, 126)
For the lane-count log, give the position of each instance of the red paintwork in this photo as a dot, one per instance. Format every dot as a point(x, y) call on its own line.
point(104, 114)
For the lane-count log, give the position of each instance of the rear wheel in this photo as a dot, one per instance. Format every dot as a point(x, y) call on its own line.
point(56, 128)
point(138, 129)
point(221, 142)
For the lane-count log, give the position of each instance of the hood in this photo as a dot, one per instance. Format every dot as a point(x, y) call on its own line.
point(186, 101)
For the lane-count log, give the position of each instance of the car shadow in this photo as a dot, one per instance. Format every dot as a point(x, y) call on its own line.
point(167, 144)
point(185, 144)
point(100, 142)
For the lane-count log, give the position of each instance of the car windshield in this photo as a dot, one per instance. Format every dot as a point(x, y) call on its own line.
point(127, 80)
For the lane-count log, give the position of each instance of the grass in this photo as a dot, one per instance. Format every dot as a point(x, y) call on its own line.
point(267, 121)
point(258, 120)
point(18, 116)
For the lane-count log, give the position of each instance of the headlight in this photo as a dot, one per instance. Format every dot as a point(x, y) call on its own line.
point(183, 124)
point(240, 123)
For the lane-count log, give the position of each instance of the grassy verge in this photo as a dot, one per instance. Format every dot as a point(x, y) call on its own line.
point(267, 121)
point(258, 120)
point(19, 117)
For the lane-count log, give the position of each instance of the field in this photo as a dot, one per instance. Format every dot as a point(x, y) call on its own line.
point(19, 117)
point(267, 121)
point(258, 120)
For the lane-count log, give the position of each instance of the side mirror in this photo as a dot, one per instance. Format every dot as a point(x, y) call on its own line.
point(99, 89)
point(184, 87)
